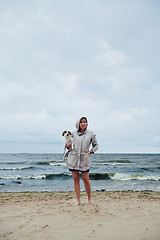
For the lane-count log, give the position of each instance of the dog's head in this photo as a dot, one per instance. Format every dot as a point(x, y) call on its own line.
point(66, 133)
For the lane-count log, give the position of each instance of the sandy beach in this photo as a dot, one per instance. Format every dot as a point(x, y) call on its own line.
point(51, 215)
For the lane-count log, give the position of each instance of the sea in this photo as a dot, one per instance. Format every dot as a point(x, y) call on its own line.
point(27, 172)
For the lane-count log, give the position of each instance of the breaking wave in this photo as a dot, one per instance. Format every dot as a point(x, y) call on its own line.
point(126, 177)
point(16, 168)
point(93, 176)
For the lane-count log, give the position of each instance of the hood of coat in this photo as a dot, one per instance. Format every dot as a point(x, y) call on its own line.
point(78, 123)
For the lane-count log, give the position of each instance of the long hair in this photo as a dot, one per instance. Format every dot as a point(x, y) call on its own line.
point(79, 129)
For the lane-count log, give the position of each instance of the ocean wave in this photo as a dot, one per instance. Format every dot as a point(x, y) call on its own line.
point(42, 163)
point(51, 163)
point(38, 177)
point(121, 161)
point(99, 176)
point(16, 168)
point(114, 163)
point(126, 177)
point(13, 163)
point(57, 164)
point(93, 176)
point(17, 177)
point(60, 176)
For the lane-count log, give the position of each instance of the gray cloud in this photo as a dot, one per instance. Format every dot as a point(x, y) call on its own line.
point(61, 60)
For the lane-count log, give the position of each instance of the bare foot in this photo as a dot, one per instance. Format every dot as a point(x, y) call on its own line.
point(91, 203)
point(76, 204)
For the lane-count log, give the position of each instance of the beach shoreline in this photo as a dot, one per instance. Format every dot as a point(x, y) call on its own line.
point(51, 215)
point(110, 172)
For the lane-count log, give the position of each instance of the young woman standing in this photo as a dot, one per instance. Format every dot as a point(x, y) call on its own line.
point(78, 157)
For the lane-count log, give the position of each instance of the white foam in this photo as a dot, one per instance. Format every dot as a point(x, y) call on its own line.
point(15, 168)
point(17, 177)
point(126, 177)
point(58, 164)
point(115, 163)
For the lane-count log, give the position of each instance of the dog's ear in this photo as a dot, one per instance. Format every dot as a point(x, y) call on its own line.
point(64, 133)
point(69, 132)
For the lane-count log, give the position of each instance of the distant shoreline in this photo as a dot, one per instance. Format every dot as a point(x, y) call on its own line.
point(129, 193)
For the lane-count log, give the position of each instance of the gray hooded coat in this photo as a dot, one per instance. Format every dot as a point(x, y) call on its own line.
point(77, 157)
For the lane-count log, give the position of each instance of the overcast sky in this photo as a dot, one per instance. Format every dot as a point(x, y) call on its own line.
point(63, 59)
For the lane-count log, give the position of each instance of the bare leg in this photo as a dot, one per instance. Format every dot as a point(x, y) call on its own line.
point(87, 184)
point(76, 178)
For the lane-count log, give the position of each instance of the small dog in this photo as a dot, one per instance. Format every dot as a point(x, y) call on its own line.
point(67, 135)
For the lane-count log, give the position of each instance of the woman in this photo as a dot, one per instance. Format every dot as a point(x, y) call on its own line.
point(78, 157)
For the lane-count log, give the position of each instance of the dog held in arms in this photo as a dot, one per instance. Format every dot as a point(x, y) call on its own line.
point(68, 138)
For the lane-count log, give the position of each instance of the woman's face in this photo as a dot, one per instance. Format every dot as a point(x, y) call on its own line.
point(83, 124)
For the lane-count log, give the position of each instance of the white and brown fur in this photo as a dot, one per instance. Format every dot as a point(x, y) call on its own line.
point(67, 136)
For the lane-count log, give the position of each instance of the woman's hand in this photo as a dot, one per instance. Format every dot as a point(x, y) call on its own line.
point(69, 144)
point(88, 153)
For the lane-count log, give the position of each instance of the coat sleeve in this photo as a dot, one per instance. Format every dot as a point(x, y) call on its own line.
point(94, 143)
